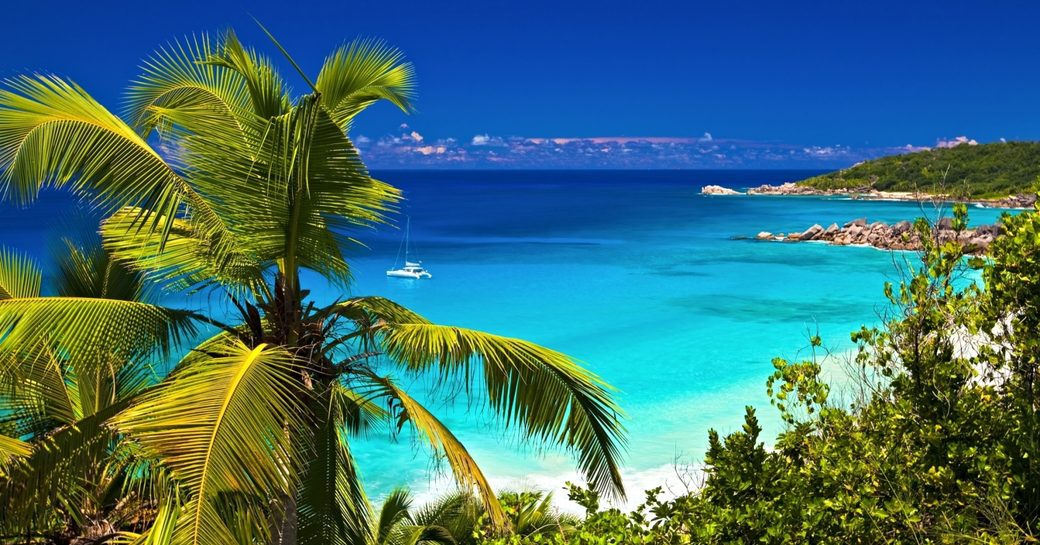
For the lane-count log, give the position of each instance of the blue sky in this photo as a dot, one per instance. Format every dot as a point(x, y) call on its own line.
point(638, 84)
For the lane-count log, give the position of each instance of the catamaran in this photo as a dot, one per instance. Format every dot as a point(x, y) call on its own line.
point(411, 269)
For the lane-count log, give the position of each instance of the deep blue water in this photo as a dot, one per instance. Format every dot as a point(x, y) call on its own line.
point(632, 272)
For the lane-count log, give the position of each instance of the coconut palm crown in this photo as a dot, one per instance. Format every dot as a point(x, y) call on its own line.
point(217, 178)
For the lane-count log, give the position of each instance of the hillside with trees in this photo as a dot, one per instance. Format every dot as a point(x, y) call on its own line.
point(979, 171)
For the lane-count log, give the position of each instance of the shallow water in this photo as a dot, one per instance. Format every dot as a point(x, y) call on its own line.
point(634, 273)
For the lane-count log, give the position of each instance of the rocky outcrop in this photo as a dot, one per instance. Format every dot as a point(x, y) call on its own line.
point(718, 190)
point(790, 188)
point(898, 236)
point(868, 194)
point(1015, 201)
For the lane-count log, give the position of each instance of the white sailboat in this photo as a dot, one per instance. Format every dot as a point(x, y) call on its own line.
point(411, 269)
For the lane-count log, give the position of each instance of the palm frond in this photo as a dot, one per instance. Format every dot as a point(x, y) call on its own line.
point(360, 413)
point(295, 189)
point(360, 73)
point(20, 276)
point(547, 394)
point(85, 328)
point(52, 133)
point(332, 505)
point(392, 512)
point(266, 89)
point(185, 259)
point(11, 448)
point(61, 465)
point(38, 394)
point(220, 426)
point(176, 77)
point(87, 270)
point(397, 524)
point(458, 512)
point(440, 440)
point(161, 532)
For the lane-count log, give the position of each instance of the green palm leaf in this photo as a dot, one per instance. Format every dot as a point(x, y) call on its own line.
point(267, 90)
point(11, 448)
point(38, 394)
point(91, 328)
point(392, 512)
point(397, 525)
point(440, 440)
point(181, 260)
point(60, 467)
point(176, 77)
point(52, 133)
point(332, 505)
point(360, 73)
point(220, 424)
point(87, 270)
point(20, 276)
point(548, 394)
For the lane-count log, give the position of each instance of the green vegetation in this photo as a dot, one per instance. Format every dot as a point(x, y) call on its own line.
point(982, 171)
point(248, 438)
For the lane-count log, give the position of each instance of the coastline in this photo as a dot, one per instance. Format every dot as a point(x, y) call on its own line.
point(901, 236)
point(793, 189)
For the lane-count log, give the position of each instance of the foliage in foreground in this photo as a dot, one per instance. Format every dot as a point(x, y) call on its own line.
point(982, 171)
point(936, 443)
point(248, 438)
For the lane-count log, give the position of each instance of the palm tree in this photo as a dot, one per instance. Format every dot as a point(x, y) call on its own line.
point(396, 524)
point(459, 518)
point(218, 179)
point(52, 405)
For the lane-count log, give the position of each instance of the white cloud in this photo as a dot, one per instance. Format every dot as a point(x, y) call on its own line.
point(952, 143)
point(480, 140)
point(432, 150)
point(416, 136)
point(706, 138)
point(362, 139)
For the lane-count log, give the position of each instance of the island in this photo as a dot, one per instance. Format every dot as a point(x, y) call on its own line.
point(998, 175)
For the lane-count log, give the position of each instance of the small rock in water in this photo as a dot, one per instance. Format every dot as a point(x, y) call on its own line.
point(718, 190)
point(764, 235)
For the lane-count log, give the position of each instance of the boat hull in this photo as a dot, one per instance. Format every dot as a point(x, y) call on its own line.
point(409, 274)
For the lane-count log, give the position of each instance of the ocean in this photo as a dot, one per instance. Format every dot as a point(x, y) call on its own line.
point(656, 288)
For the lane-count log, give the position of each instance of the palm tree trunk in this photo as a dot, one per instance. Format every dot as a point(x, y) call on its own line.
point(285, 521)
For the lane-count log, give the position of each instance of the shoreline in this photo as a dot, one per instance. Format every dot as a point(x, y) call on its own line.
point(900, 236)
point(792, 189)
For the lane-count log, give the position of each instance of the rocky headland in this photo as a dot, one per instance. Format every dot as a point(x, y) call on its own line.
point(898, 236)
point(794, 189)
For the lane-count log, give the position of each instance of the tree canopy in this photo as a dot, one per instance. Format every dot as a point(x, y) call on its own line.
point(981, 171)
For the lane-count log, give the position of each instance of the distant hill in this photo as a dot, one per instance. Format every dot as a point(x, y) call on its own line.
point(980, 171)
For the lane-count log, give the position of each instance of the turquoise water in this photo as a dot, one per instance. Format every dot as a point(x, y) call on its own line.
point(639, 276)
point(635, 274)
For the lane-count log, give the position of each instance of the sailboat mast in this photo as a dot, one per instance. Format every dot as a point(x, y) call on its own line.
point(407, 232)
